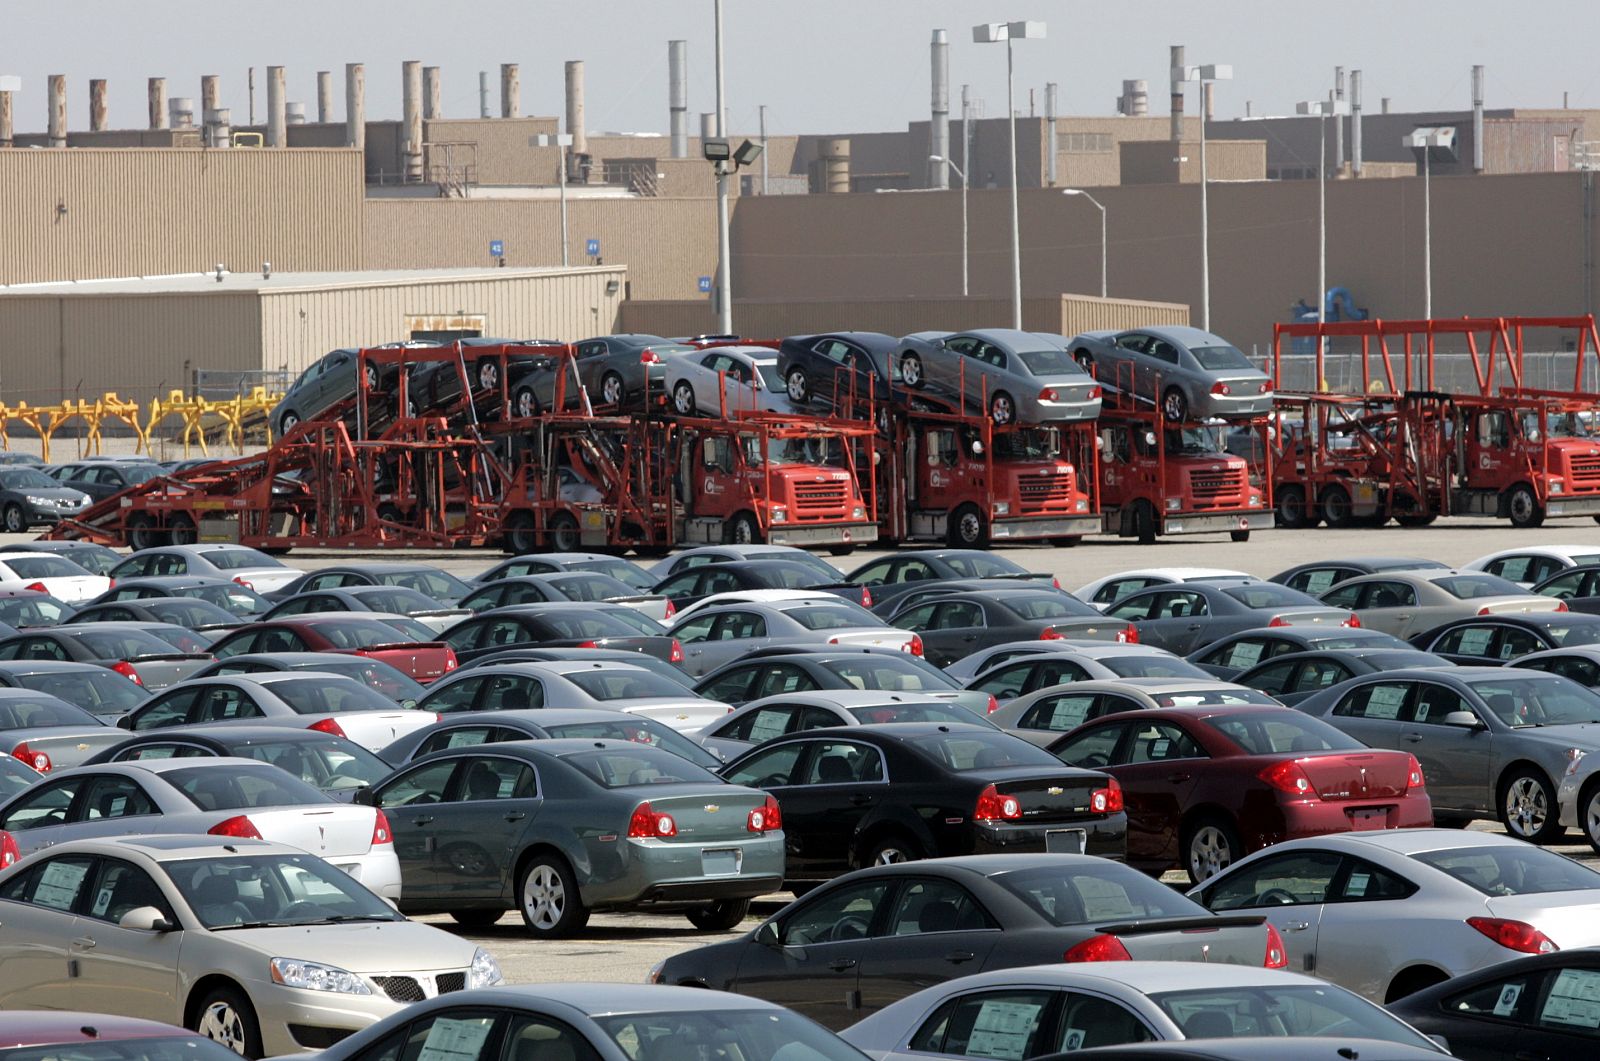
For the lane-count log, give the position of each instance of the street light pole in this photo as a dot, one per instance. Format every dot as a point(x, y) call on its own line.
point(1102, 209)
point(993, 33)
point(1201, 75)
point(1322, 108)
point(724, 271)
point(1425, 141)
point(959, 172)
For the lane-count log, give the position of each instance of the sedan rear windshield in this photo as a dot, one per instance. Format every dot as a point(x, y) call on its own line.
point(237, 600)
point(239, 559)
point(915, 713)
point(319, 696)
point(191, 613)
point(181, 640)
point(890, 674)
point(643, 765)
point(42, 567)
point(1151, 667)
point(982, 565)
point(440, 585)
point(770, 377)
point(1538, 701)
point(95, 689)
point(620, 570)
point(166, 1048)
point(639, 731)
point(970, 748)
point(1045, 606)
point(22, 713)
point(1294, 1010)
point(1519, 870)
point(1077, 895)
point(235, 787)
point(1473, 587)
point(359, 633)
point(1214, 698)
point(827, 617)
point(591, 586)
point(397, 599)
point(1277, 732)
point(35, 609)
point(1050, 363)
point(122, 644)
point(1268, 595)
point(624, 685)
point(1220, 357)
point(1577, 634)
point(744, 1034)
point(590, 625)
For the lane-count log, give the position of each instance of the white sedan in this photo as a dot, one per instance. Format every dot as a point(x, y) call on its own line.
point(1048, 1009)
point(52, 574)
point(727, 380)
point(251, 568)
point(1532, 564)
point(1389, 913)
point(1104, 592)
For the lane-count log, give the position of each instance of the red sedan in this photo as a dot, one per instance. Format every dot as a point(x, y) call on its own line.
point(404, 644)
point(1204, 787)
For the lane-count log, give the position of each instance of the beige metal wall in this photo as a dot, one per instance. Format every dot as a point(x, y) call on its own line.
point(79, 214)
point(667, 244)
point(140, 346)
point(297, 327)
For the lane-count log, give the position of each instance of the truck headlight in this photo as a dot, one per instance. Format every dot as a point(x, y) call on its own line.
point(1255, 500)
point(484, 970)
point(1555, 487)
point(1082, 505)
point(859, 512)
point(313, 976)
point(1174, 504)
point(780, 514)
point(1002, 508)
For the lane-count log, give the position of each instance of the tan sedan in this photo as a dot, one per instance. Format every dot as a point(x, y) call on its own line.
point(1406, 603)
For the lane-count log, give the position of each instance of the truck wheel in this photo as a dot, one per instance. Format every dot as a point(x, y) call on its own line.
point(1335, 506)
point(797, 386)
point(1239, 535)
point(16, 519)
point(841, 550)
point(1292, 507)
point(1414, 519)
point(1144, 522)
point(911, 370)
point(564, 533)
point(968, 529)
point(182, 530)
point(743, 530)
point(142, 533)
point(1523, 507)
point(519, 534)
point(1174, 405)
point(683, 398)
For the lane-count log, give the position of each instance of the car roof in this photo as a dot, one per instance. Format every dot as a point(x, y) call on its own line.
point(174, 846)
point(1563, 552)
point(163, 766)
point(1414, 841)
point(1159, 686)
point(279, 677)
point(32, 1028)
point(852, 698)
point(368, 567)
point(1149, 977)
point(603, 998)
point(229, 733)
point(559, 666)
point(540, 716)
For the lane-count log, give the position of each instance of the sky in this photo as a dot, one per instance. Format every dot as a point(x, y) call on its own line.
point(820, 66)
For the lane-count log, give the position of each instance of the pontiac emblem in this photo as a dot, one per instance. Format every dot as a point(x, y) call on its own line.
point(1205, 952)
point(83, 747)
point(1055, 790)
point(322, 836)
point(712, 808)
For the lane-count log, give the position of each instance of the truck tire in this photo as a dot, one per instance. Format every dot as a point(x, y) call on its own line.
point(142, 533)
point(1414, 519)
point(742, 529)
point(1292, 508)
point(1239, 535)
point(1144, 522)
point(967, 529)
point(1335, 506)
point(519, 534)
point(563, 533)
point(181, 529)
point(1523, 506)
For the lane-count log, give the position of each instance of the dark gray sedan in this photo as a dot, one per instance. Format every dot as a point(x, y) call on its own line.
point(224, 593)
point(1012, 375)
point(493, 727)
point(618, 370)
point(837, 367)
point(98, 690)
point(1299, 676)
point(955, 626)
point(1190, 615)
point(1199, 375)
point(101, 479)
point(556, 829)
point(29, 498)
point(46, 732)
point(191, 614)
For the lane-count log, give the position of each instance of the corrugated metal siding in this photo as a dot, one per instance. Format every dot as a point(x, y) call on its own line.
point(140, 212)
point(667, 244)
point(139, 346)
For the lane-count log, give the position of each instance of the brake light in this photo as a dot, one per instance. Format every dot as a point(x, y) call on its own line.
point(1264, 388)
point(915, 647)
point(450, 661)
point(1093, 393)
point(10, 853)
point(1054, 581)
point(245, 583)
point(380, 829)
point(649, 357)
point(994, 705)
point(866, 597)
point(1288, 776)
point(1129, 635)
point(1107, 800)
point(676, 655)
point(1048, 395)
point(40, 761)
point(1561, 606)
point(239, 827)
point(37, 587)
point(1485, 610)
point(1278, 620)
point(1277, 956)
point(1354, 622)
point(1050, 633)
point(124, 668)
point(1220, 388)
point(647, 824)
point(1514, 935)
point(111, 583)
point(672, 609)
point(328, 726)
point(587, 644)
point(766, 818)
point(993, 807)
point(1414, 774)
point(1102, 948)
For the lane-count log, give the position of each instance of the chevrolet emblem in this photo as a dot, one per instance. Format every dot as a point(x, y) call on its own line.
point(712, 808)
point(1055, 790)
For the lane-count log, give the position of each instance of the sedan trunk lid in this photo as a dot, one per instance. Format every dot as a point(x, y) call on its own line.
point(1215, 940)
point(325, 830)
point(1358, 775)
point(423, 661)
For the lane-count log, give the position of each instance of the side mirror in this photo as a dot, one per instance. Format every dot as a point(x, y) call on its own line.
point(1441, 1042)
point(364, 796)
point(125, 722)
point(146, 919)
point(1464, 719)
point(977, 448)
point(768, 935)
point(1533, 434)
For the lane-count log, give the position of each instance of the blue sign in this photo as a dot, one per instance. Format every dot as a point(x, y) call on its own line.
point(705, 285)
point(591, 247)
point(497, 248)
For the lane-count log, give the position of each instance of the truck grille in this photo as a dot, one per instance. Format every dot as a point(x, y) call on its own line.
point(1217, 489)
point(819, 500)
point(1045, 493)
point(1585, 471)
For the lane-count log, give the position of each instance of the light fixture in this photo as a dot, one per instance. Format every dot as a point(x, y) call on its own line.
point(748, 152)
point(613, 286)
point(715, 150)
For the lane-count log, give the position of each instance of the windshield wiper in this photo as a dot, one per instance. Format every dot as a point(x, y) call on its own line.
point(339, 919)
point(255, 924)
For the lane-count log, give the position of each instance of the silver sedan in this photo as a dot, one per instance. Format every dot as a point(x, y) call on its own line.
point(1198, 375)
point(1041, 717)
point(1407, 603)
point(1015, 376)
point(726, 380)
point(774, 716)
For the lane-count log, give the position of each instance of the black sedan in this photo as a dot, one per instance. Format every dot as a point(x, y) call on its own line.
point(851, 947)
point(1578, 586)
point(513, 589)
point(697, 583)
point(390, 681)
point(1536, 1009)
point(722, 554)
point(901, 603)
point(98, 690)
point(804, 669)
point(1292, 677)
point(392, 600)
point(22, 608)
point(958, 790)
point(187, 612)
point(29, 498)
point(441, 585)
point(1581, 663)
point(567, 623)
point(957, 625)
point(839, 368)
point(1189, 615)
point(898, 573)
point(551, 563)
point(1231, 656)
point(458, 730)
point(224, 593)
point(101, 479)
point(322, 760)
point(91, 557)
point(1486, 640)
point(1319, 576)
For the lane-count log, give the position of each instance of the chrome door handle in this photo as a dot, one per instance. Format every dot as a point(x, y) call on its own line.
point(515, 817)
point(84, 942)
point(839, 965)
point(421, 821)
point(1412, 737)
point(1297, 926)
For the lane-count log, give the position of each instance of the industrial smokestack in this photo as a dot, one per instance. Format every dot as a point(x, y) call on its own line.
point(324, 97)
point(411, 120)
point(355, 105)
point(708, 126)
point(1177, 92)
point(1355, 123)
point(939, 130)
point(1209, 100)
point(294, 113)
point(1135, 99)
point(97, 105)
point(575, 120)
point(510, 91)
point(1477, 119)
point(58, 110)
point(7, 136)
point(835, 155)
point(678, 96)
point(218, 131)
point(210, 93)
point(180, 110)
point(432, 97)
point(483, 93)
point(1384, 105)
point(1338, 122)
point(1051, 99)
point(156, 97)
point(277, 118)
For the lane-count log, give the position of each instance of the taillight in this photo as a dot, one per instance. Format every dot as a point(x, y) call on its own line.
point(1220, 388)
point(9, 851)
point(1277, 956)
point(239, 827)
point(587, 644)
point(1485, 610)
point(37, 587)
point(124, 668)
point(380, 829)
point(450, 661)
point(1093, 393)
point(1288, 776)
point(994, 705)
point(1414, 774)
point(1048, 395)
point(1354, 622)
point(1054, 581)
point(649, 357)
point(765, 818)
point(1050, 633)
point(1514, 935)
point(1102, 948)
point(1278, 620)
point(1106, 800)
point(328, 726)
point(38, 760)
point(1264, 388)
point(676, 655)
point(246, 584)
point(647, 824)
point(1561, 606)
point(672, 609)
point(1129, 635)
point(915, 647)
point(993, 807)
point(111, 583)
point(866, 597)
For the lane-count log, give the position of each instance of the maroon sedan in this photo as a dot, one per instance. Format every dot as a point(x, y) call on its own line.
point(1206, 786)
point(404, 644)
point(37, 1034)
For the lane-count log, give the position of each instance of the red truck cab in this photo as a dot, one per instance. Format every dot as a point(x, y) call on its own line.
point(1159, 478)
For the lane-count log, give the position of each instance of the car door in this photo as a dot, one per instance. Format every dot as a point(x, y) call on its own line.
point(735, 633)
point(841, 781)
point(1469, 643)
point(1356, 944)
point(779, 679)
point(411, 800)
point(1457, 761)
point(1290, 890)
point(1390, 606)
point(112, 805)
point(1318, 580)
point(1239, 654)
point(474, 836)
point(131, 972)
point(936, 931)
point(1376, 713)
point(1173, 618)
point(955, 630)
point(36, 907)
point(169, 708)
point(1158, 768)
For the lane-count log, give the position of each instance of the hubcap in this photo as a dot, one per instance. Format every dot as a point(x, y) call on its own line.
point(613, 390)
point(888, 856)
point(289, 421)
point(742, 533)
point(1591, 816)
point(683, 398)
point(372, 378)
point(970, 526)
point(566, 537)
point(1336, 508)
point(1289, 506)
point(1174, 406)
point(1521, 505)
point(1526, 809)
point(544, 897)
point(14, 521)
point(488, 375)
point(222, 1025)
point(525, 404)
point(1209, 853)
point(1002, 410)
point(797, 386)
point(911, 371)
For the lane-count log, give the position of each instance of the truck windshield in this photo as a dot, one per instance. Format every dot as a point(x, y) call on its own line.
point(1561, 425)
point(813, 451)
point(1194, 440)
point(1027, 445)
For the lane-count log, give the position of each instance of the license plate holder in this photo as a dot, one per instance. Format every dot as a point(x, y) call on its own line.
point(1065, 841)
point(1365, 819)
point(721, 861)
